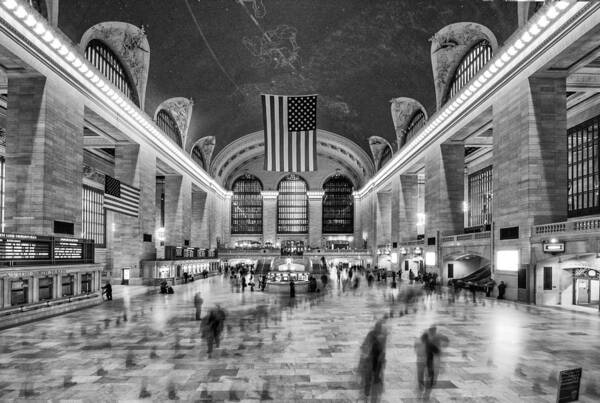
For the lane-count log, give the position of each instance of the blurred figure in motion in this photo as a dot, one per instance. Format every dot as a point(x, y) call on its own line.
point(372, 362)
point(292, 289)
point(198, 304)
point(212, 327)
point(107, 290)
point(428, 349)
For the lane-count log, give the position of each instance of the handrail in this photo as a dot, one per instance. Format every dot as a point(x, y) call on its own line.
point(590, 224)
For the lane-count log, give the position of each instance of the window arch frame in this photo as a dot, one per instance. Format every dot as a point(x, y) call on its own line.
point(166, 122)
point(113, 69)
point(239, 223)
point(386, 156)
point(292, 214)
point(342, 228)
point(416, 122)
point(198, 158)
point(470, 64)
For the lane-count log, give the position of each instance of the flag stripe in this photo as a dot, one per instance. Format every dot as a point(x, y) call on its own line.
point(285, 132)
point(267, 165)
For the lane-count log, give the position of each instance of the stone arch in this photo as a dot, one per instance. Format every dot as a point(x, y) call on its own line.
point(180, 109)
point(448, 48)
point(130, 45)
point(403, 110)
point(202, 150)
point(381, 150)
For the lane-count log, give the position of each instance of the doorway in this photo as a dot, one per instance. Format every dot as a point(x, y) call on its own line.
point(587, 291)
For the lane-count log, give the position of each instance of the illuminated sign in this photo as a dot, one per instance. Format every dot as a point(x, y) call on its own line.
point(430, 258)
point(554, 247)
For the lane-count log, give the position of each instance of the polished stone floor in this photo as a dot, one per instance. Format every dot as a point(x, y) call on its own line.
point(147, 346)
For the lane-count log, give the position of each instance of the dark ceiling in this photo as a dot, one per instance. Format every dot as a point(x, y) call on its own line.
point(356, 54)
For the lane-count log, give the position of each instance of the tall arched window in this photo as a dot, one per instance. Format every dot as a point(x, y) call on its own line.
point(473, 61)
point(292, 206)
point(109, 65)
point(385, 156)
point(338, 206)
point(169, 126)
point(40, 7)
point(197, 156)
point(246, 206)
point(416, 122)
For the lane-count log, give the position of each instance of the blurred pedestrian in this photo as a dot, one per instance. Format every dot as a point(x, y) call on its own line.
point(292, 289)
point(501, 290)
point(107, 290)
point(213, 327)
point(198, 304)
point(372, 362)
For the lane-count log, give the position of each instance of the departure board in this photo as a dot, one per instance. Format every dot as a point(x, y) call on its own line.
point(25, 249)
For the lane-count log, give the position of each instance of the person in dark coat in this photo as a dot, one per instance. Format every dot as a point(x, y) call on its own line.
point(501, 290)
point(372, 362)
point(292, 289)
point(108, 291)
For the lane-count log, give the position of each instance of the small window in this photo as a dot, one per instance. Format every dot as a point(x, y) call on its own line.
point(547, 278)
point(450, 270)
point(168, 126)
point(416, 123)
point(45, 288)
point(63, 227)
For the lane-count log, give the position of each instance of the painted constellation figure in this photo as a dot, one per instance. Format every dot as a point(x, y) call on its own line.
point(277, 47)
point(257, 6)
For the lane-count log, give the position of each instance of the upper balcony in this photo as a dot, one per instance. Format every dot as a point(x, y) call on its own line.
point(567, 230)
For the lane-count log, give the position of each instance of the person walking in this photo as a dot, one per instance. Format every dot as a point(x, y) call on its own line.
point(198, 304)
point(107, 290)
point(372, 362)
point(292, 289)
point(501, 290)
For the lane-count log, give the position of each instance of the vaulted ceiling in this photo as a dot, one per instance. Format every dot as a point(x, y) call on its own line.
point(356, 54)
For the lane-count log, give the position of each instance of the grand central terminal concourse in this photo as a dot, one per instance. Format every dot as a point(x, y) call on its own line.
point(300, 201)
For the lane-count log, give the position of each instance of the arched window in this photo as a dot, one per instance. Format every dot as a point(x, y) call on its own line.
point(473, 61)
point(40, 7)
point(385, 157)
point(198, 158)
point(246, 206)
point(169, 126)
point(416, 122)
point(109, 65)
point(292, 206)
point(338, 206)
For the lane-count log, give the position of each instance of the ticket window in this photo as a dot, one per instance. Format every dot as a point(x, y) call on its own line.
point(86, 283)
point(45, 288)
point(19, 289)
point(67, 286)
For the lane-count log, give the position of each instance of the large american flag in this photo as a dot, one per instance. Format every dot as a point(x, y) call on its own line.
point(290, 125)
point(120, 197)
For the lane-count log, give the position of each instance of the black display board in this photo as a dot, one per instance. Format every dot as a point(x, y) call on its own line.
point(569, 382)
point(22, 249)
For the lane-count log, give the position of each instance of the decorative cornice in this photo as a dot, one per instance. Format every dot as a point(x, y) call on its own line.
point(269, 194)
point(315, 194)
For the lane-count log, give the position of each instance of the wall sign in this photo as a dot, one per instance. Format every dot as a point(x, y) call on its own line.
point(569, 382)
point(554, 247)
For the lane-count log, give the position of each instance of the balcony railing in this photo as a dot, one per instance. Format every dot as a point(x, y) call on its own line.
point(466, 237)
point(591, 224)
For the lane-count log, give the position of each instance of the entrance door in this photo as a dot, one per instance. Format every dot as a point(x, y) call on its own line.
point(583, 291)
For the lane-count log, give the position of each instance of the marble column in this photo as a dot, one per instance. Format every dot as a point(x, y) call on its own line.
point(270, 215)
point(315, 217)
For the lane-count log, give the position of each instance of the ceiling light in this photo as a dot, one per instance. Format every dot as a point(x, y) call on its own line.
point(468, 92)
point(56, 44)
point(10, 4)
point(110, 93)
point(70, 57)
point(89, 74)
point(487, 74)
point(477, 84)
point(543, 21)
point(561, 5)
point(505, 57)
point(30, 21)
point(20, 12)
point(105, 88)
point(499, 63)
point(519, 44)
point(463, 97)
point(77, 63)
point(552, 13)
point(481, 80)
point(83, 68)
point(48, 37)
point(94, 78)
point(39, 29)
point(526, 37)
point(472, 88)
point(99, 83)
point(511, 51)
point(63, 50)
point(534, 29)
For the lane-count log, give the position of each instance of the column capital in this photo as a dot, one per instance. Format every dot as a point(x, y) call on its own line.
point(269, 194)
point(315, 194)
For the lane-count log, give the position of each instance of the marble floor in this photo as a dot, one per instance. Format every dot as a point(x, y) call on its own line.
point(146, 346)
